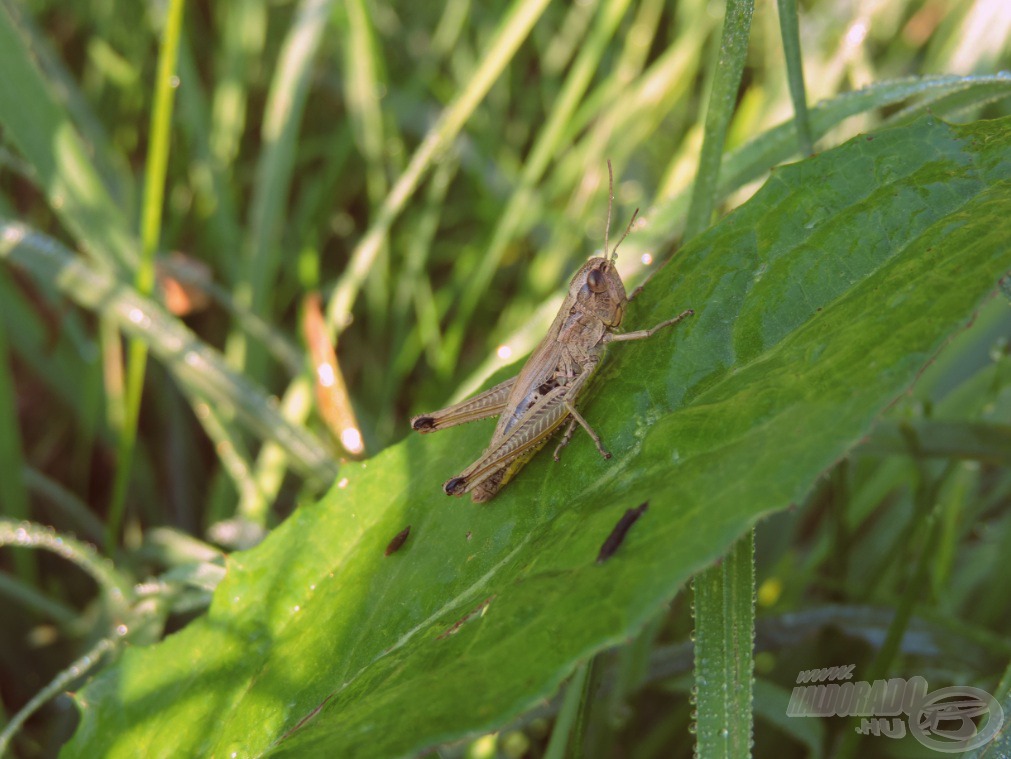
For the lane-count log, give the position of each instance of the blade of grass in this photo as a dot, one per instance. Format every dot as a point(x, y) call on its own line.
point(364, 82)
point(195, 364)
point(931, 523)
point(726, 83)
point(13, 494)
point(116, 588)
point(44, 134)
point(285, 106)
point(789, 28)
point(516, 216)
point(81, 518)
point(268, 473)
point(114, 171)
point(63, 680)
point(514, 28)
point(19, 593)
point(229, 446)
point(244, 26)
point(565, 737)
point(210, 176)
point(779, 144)
point(150, 235)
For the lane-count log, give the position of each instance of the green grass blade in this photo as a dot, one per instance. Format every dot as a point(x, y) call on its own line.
point(789, 27)
point(49, 141)
point(550, 142)
point(13, 494)
point(515, 26)
point(193, 363)
point(285, 106)
point(150, 236)
point(722, 100)
point(754, 159)
point(565, 737)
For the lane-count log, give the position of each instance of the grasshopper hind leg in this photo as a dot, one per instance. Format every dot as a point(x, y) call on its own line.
point(483, 491)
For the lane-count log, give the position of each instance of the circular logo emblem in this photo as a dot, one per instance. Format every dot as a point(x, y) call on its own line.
point(944, 720)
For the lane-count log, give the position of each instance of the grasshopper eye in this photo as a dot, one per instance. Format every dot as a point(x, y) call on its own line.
point(595, 281)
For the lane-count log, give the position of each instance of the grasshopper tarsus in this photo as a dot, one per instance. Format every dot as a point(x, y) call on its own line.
point(424, 423)
point(566, 437)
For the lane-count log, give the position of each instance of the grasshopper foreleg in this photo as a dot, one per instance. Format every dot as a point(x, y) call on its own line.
point(642, 334)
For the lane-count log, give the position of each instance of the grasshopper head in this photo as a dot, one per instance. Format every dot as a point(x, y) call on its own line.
point(598, 291)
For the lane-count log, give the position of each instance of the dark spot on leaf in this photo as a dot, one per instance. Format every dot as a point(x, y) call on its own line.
point(617, 536)
point(398, 540)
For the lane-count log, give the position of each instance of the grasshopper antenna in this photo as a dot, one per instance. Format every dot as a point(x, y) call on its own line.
point(610, 203)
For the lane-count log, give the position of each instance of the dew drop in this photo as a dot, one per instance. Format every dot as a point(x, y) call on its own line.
point(326, 375)
point(351, 439)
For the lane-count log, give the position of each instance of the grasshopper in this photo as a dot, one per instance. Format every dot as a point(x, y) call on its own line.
point(534, 404)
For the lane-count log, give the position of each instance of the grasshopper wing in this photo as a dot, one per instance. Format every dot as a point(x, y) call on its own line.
point(507, 453)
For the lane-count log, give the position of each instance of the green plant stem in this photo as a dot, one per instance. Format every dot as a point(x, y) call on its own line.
point(115, 587)
point(724, 642)
point(58, 684)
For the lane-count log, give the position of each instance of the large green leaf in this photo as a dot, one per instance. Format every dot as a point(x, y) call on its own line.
point(817, 303)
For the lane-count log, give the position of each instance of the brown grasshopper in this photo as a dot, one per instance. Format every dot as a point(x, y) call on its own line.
point(535, 403)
